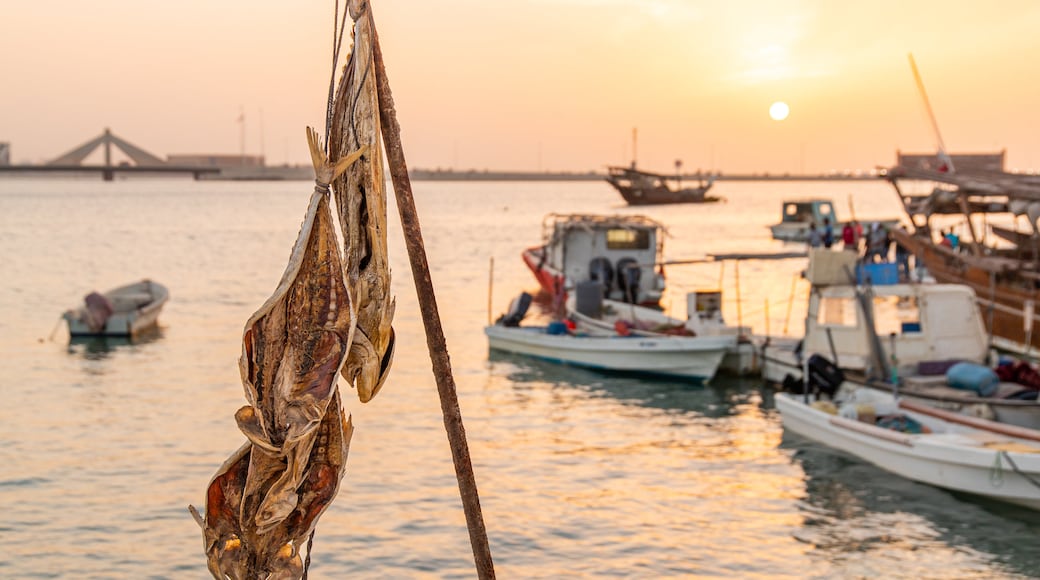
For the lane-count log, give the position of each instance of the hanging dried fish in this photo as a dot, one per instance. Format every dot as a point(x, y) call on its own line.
point(361, 204)
point(265, 500)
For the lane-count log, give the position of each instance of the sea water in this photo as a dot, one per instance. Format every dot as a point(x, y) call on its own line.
point(103, 444)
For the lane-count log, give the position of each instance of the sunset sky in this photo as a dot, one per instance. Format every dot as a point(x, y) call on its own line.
point(537, 84)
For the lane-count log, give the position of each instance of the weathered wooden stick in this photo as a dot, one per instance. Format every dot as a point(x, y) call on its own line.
point(431, 319)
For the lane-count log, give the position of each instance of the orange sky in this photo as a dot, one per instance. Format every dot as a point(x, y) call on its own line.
point(537, 84)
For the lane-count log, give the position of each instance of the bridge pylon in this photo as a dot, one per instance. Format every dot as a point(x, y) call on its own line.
point(139, 156)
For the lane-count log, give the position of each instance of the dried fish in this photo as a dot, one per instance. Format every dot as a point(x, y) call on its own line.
point(265, 500)
point(361, 204)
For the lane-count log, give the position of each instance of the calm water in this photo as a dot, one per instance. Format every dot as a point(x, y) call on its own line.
point(103, 445)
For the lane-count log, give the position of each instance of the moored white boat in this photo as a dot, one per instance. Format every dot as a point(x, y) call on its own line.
point(896, 333)
point(696, 358)
point(797, 215)
point(954, 452)
point(611, 318)
point(124, 311)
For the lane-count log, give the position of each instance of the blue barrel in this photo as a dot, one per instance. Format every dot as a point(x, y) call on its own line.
point(556, 328)
point(972, 377)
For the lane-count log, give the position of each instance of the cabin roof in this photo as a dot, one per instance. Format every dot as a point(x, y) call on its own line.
point(556, 221)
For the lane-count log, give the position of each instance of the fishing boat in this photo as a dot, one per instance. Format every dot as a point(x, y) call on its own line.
point(124, 311)
point(797, 216)
point(624, 253)
point(600, 317)
point(694, 358)
point(645, 188)
point(896, 336)
point(924, 444)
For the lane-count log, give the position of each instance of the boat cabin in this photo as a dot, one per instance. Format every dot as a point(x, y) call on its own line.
point(623, 253)
point(808, 211)
point(868, 327)
point(797, 215)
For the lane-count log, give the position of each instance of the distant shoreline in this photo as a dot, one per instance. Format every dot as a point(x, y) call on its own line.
point(300, 172)
point(485, 175)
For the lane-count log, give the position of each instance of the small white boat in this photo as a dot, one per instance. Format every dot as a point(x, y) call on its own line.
point(797, 215)
point(885, 334)
point(696, 358)
point(932, 446)
point(124, 311)
point(611, 318)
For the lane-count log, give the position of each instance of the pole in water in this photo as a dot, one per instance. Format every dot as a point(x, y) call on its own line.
point(790, 303)
point(431, 318)
point(767, 316)
point(736, 275)
point(491, 281)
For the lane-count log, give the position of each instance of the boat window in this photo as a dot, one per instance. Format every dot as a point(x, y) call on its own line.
point(825, 209)
point(835, 311)
point(622, 239)
point(896, 314)
point(798, 212)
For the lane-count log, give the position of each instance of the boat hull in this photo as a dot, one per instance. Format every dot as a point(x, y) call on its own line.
point(662, 196)
point(799, 231)
point(959, 460)
point(692, 358)
point(742, 358)
point(125, 321)
point(549, 278)
point(780, 362)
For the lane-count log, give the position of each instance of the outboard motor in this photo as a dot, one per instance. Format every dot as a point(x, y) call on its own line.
point(601, 271)
point(628, 274)
point(517, 310)
point(824, 376)
point(588, 299)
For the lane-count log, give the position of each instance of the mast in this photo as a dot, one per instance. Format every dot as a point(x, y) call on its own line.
point(943, 156)
point(634, 130)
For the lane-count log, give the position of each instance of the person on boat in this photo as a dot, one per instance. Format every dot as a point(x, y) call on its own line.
point(955, 240)
point(848, 237)
point(828, 233)
point(902, 261)
point(877, 244)
point(945, 242)
point(815, 237)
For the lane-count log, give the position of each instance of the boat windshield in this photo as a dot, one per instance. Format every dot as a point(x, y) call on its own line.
point(798, 212)
point(892, 314)
point(628, 239)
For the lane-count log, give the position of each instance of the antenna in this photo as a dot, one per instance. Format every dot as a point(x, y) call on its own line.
point(634, 132)
point(943, 156)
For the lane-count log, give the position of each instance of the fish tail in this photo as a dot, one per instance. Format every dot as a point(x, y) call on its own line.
point(324, 171)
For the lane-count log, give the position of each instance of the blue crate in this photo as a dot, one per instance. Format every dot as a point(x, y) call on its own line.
point(877, 274)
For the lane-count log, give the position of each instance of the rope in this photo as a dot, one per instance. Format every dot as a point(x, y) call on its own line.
point(996, 475)
point(1011, 462)
point(307, 561)
point(337, 43)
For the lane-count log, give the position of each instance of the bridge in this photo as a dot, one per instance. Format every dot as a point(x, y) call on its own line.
point(143, 161)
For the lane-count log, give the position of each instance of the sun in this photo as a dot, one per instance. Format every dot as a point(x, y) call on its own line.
point(779, 111)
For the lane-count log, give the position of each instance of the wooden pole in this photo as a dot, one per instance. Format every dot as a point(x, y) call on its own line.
point(767, 316)
point(431, 319)
point(736, 275)
point(491, 282)
point(790, 303)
